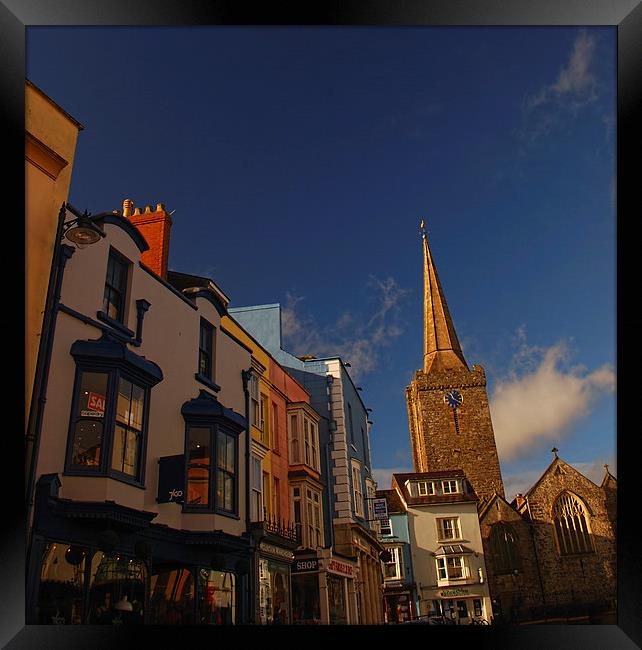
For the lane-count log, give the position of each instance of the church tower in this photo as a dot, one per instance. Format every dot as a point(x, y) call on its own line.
point(448, 413)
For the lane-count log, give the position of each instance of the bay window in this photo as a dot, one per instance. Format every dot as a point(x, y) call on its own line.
point(392, 567)
point(452, 567)
point(211, 455)
point(109, 411)
point(304, 440)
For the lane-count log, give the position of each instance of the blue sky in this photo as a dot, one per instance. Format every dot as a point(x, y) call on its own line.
point(299, 162)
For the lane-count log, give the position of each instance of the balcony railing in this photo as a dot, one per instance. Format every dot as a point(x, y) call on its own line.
point(279, 527)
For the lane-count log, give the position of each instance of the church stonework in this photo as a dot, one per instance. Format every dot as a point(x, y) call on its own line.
point(457, 435)
point(550, 554)
point(454, 438)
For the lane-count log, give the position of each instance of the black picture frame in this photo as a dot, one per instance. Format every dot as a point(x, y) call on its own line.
point(625, 15)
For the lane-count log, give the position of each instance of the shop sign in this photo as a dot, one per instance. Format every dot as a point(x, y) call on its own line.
point(171, 479)
point(301, 566)
point(453, 593)
point(343, 569)
point(380, 507)
point(275, 550)
point(95, 406)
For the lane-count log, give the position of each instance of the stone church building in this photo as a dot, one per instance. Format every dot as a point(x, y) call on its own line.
point(551, 552)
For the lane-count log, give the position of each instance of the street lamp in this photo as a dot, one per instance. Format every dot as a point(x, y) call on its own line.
point(83, 230)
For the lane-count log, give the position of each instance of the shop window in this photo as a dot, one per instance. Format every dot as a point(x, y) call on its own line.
point(62, 584)
point(116, 589)
point(115, 293)
point(274, 593)
point(172, 597)
point(571, 525)
point(503, 549)
point(217, 597)
point(336, 600)
point(108, 425)
point(305, 599)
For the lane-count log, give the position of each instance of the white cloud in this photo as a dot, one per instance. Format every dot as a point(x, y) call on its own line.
point(355, 338)
point(575, 87)
point(542, 398)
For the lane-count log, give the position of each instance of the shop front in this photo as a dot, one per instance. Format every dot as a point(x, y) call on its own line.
point(398, 606)
point(274, 597)
point(105, 564)
point(323, 588)
point(458, 605)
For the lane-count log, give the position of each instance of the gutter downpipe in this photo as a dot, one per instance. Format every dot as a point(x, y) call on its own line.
point(245, 375)
point(61, 254)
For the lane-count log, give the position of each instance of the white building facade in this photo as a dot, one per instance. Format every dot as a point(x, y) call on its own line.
point(446, 546)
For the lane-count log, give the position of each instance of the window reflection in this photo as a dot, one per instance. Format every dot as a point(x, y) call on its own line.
point(216, 605)
point(116, 590)
point(172, 598)
point(60, 594)
point(89, 418)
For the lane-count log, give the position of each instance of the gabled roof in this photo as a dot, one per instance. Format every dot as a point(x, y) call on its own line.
point(399, 482)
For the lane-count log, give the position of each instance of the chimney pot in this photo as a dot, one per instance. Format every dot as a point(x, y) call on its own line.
point(128, 206)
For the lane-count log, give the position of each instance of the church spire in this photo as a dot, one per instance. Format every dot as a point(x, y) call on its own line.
point(441, 346)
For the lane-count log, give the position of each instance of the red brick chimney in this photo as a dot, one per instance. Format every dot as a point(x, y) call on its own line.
point(154, 226)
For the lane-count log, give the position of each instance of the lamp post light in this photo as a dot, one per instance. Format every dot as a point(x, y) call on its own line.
point(82, 230)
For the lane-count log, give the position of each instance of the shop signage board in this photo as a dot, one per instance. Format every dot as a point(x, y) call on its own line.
point(307, 564)
point(453, 593)
point(340, 568)
point(276, 551)
point(171, 479)
point(380, 508)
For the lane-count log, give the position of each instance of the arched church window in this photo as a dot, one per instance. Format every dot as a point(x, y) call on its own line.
point(503, 549)
point(570, 519)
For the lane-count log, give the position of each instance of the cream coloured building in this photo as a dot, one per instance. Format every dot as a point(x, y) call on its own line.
point(446, 546)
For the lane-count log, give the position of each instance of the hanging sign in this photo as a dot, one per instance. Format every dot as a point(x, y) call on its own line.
point(171, 479)
point(380, 508)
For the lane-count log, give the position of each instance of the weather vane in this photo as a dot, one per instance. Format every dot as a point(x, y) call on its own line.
point(422, 229)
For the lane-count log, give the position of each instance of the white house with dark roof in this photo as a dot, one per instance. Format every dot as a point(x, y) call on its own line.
point(446, 546)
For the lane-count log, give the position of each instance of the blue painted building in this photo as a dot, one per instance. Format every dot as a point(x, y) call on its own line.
point(344, 431)
point(399, 588)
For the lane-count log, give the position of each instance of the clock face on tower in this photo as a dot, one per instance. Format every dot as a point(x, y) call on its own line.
point(453, 398)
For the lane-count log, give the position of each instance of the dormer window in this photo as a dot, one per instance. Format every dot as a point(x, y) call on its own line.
point(425, 488)
point(450, 487)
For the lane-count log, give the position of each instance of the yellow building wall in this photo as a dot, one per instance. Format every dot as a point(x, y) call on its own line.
point(50, 144)
point(260, 355)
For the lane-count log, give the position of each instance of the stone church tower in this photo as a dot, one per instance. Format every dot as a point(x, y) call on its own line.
point(448, 413)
